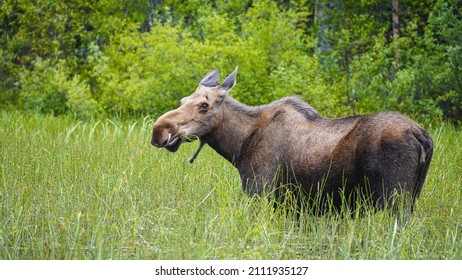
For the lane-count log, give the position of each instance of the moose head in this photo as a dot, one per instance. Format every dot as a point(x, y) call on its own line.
point(198, 114)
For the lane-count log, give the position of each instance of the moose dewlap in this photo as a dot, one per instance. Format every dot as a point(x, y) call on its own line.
point(286, 146)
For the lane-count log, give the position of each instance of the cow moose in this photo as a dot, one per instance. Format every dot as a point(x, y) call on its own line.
point(286, 147)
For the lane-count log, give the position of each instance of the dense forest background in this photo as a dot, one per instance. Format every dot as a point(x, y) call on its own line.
point(128, 58)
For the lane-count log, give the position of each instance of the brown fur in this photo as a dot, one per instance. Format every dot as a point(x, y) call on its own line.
point(287, 146)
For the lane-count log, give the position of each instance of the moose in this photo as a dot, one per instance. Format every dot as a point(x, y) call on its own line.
point(287, 149)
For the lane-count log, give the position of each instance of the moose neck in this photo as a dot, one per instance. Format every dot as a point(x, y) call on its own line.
point(237, 124)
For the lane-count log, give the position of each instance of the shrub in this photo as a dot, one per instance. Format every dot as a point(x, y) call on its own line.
point(43, 88)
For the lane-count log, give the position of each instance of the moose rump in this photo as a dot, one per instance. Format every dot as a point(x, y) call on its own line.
point(287, 146)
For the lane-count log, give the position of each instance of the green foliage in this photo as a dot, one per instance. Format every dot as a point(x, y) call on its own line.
point(446, 25)
point(49, 88)
point(44, 87)
point(109, 57)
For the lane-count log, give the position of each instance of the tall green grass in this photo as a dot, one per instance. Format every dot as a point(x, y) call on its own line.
point(99, 190)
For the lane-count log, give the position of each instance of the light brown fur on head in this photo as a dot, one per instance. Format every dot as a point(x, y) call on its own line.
point(197, 115)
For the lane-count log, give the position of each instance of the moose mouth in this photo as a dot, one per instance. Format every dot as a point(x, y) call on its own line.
point(172, 144)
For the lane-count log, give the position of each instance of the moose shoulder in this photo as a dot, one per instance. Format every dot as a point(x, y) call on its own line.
point(287, 146)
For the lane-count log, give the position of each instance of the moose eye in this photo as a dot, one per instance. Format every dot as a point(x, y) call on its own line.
point(204, 106)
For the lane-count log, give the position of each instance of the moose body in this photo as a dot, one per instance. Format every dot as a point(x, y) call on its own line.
point(286, 146)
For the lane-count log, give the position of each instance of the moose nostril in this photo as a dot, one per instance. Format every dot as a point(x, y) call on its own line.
point(158, 137)
point(153, 142)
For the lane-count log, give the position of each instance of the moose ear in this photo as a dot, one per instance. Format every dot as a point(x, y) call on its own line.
point(230, 81)
point(211, 79)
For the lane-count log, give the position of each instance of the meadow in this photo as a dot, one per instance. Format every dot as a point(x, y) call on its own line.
point(98, 190)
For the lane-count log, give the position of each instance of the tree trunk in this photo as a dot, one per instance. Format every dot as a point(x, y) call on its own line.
point(320, 19)
point(395, 26)
point(148, 23)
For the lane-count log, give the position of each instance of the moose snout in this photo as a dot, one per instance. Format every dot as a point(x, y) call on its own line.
point(160, 136)
point(165, 129)
point(166, 132)
point(166, 137)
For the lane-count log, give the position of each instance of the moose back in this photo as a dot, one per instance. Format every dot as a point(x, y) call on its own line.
point(287, 147)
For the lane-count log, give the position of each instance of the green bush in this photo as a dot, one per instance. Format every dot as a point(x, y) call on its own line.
point(49, 88)
point(43, 89)
point(148, 73)
point(105, 58)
